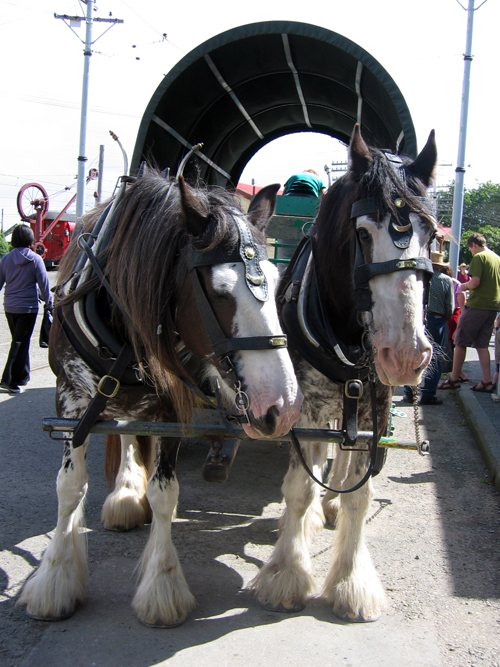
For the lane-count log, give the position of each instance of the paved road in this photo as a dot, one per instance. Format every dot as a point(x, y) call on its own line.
point(433, 536)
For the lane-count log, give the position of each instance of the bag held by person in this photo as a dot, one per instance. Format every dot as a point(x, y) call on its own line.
point(45, 326)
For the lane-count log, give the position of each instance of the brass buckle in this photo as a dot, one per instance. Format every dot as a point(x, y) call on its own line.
point(278, 341)
point(101, 382)
point(406, 264)
point(356, 383)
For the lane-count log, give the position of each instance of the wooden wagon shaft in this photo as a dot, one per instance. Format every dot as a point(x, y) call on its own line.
point(212, 431)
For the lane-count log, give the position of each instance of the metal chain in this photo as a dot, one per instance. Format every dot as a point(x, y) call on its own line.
point(383, 504)
point(422, 445)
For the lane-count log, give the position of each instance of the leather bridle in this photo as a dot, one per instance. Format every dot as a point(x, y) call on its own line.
point(401, 235)
point(223, 347)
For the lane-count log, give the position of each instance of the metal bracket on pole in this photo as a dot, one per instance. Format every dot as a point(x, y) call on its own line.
point(87, 53)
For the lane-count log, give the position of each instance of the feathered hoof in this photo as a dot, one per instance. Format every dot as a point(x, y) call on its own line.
point(52, 593)
point(124, 511)
point(351, 617)
point(51, 619)
point(285, 607)
point(283, 591)
point(163, 600)
point(159, 625)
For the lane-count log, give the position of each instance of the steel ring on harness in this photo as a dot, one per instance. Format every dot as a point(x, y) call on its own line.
point(85, 237)
point(308, 224)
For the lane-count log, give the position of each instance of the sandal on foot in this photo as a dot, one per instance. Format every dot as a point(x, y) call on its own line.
point(450, 384)
point(484, 388)
point(461, 379)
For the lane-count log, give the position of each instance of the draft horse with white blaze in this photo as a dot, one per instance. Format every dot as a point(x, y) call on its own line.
point(352, 303)
point(179, 294)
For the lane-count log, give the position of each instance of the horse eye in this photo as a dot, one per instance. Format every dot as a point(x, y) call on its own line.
point(364, 235)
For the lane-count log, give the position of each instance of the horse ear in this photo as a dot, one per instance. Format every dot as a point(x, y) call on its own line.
point(423, 166)
point(360, 159)
point(262, 206)
point(194, 214)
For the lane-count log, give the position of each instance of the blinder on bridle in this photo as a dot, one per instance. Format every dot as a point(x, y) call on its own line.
point(250, 254)
point(400, 229)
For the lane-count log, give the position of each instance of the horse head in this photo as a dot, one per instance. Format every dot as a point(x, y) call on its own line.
point(226, 313)
point(384, 228)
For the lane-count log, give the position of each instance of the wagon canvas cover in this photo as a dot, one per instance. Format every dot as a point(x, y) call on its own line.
point(248, 86)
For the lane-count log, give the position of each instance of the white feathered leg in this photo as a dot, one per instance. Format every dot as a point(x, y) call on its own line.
point(314, 520)
point(59, 582)
point(352, 585)
point(284, 583)
point(127, 506)
point(331, 500)
point(163, 598)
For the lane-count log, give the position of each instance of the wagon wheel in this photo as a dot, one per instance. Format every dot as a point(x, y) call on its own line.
point(40, 249)
point(32, 196)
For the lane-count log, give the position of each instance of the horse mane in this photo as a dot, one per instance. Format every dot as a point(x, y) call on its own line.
point(146, 267)
point(335, 228)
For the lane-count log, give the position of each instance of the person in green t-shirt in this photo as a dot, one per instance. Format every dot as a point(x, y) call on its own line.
point(305, 184)
point(475, 324)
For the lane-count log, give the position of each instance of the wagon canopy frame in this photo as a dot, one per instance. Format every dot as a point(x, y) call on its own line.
point(244, 88)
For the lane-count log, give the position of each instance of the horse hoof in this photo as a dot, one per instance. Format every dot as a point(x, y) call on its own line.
point(159, 625)
point(52, 619)
point(360, 618)
point(292, 608)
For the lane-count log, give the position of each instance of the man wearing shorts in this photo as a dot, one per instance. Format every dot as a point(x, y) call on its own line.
point(475, 324)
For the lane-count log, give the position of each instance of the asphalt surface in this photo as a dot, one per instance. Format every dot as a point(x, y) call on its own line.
point(105, 631)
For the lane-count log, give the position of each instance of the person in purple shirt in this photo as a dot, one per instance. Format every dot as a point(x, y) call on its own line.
point(23, 273)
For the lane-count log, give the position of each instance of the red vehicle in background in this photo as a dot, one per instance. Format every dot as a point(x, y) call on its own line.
point(52, 231)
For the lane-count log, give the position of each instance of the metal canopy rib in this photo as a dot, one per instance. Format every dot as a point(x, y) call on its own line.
point(289, 60)
point(233, 96)
point(185, 143)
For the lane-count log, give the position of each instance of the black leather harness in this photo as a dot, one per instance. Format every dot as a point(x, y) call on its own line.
point(114, 360)
point(310, 329)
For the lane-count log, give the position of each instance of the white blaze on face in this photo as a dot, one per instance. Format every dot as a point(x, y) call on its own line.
point(402, 348)
point(268, 375)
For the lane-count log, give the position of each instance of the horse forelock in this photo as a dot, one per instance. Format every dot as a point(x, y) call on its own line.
point(146, 265)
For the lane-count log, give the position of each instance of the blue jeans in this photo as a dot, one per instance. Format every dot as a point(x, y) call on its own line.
point(437, 330)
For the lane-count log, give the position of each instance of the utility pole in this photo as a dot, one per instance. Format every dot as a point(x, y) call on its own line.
point(100, 171)
point(458, 196)
point(87, 53)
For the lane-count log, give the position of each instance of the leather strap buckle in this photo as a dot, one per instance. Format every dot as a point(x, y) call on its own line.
point(353, 389)
point(100, 386)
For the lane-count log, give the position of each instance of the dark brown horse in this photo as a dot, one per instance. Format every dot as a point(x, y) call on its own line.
point(186, 297)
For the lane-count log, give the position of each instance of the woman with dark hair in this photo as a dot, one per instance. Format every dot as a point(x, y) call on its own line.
point(21, 270)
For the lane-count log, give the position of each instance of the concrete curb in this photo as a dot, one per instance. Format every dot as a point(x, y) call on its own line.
point(485, 434)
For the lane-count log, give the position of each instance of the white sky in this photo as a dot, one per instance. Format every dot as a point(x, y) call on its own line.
point(420, 43)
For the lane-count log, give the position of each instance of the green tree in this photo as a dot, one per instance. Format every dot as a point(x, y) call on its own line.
point(4, 246)
point(481, 206)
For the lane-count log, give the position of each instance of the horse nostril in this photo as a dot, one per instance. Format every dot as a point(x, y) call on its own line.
point(271, 417)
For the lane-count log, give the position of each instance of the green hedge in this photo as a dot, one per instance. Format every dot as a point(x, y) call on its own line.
point(4, 246)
